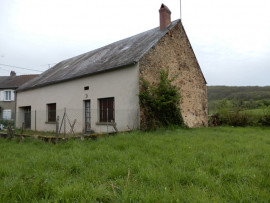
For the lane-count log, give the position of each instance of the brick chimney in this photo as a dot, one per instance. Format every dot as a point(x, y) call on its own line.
point(12, 73)
point(164, 16)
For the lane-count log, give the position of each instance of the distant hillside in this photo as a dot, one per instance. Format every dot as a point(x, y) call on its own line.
point(253, 97)
point(243, 93)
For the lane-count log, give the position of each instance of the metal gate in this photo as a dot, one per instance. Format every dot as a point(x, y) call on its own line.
point(87, 116)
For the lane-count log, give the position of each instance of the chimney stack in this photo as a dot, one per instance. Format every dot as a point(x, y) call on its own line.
point(12, 73)
point(164, 16)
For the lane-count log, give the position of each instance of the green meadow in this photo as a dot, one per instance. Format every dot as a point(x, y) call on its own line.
point(222, 164)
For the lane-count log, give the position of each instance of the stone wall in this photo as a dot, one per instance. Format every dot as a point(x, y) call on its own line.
point(175, 52)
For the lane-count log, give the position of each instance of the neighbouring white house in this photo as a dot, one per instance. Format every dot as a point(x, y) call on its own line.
point(97, 90)
point(8, 85)
point(6, 98)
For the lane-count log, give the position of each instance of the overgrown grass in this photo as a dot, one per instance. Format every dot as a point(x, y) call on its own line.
point(221, 164)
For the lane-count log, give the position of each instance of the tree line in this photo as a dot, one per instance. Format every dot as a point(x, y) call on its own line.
point(238, 92)
point(239, 106)
point(245, 97)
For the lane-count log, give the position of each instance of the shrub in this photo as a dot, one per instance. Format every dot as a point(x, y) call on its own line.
point(223, 109)
point(229, 113)
point(231, 118)
point(265, 119)
point(240, 119)
point(5, 123)
point(160, 104)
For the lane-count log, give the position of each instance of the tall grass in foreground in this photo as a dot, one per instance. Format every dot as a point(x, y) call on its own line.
point(209, 164)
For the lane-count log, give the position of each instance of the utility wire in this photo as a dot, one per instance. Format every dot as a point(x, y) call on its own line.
point(49, 64)
point(9, 70)
point(20, 67)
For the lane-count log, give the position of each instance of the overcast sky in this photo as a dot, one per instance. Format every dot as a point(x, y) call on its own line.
point(231, 38)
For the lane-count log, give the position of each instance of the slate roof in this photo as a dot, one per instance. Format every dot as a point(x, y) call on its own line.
point(15, 82)
point(3, 78)
point(118, 54)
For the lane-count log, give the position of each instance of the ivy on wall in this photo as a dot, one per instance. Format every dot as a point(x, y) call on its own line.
point(160, 104)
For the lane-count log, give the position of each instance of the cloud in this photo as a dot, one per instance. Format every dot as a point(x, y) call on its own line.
point(231, 39)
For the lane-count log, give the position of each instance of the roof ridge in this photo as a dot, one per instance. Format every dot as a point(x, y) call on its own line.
point(167, 29)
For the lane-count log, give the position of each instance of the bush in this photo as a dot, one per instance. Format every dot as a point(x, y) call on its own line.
point(265, 119)
point(240, 119)
point(231, 118)
point(222, 113)
point(227, 113)
point(6, 122)
point(160, 104)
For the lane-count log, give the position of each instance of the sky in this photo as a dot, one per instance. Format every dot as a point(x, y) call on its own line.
point(230, 38)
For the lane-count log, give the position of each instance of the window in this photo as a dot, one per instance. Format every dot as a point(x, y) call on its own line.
point(106, 110)
point(86, 88)
point(6, 114)
point(51, 112)
point(7, 95)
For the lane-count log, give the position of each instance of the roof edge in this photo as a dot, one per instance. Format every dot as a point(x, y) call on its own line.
point(193, 53)
point(171, 26)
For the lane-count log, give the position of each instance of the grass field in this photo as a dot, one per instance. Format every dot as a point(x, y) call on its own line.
point(222, 164)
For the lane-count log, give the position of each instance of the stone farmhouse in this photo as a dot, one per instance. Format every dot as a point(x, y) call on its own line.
point(8, 85)
point(100, 88)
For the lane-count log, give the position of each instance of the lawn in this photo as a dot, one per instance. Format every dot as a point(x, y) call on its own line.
point(221, 164)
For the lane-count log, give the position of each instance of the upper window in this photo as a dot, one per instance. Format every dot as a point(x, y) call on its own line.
point(7, 95)
point(51, 112)
point(106, 110)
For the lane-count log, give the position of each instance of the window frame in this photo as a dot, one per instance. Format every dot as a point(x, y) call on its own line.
point(7, 94)
point(105, 103)
point(8, 113)
point(51, 113)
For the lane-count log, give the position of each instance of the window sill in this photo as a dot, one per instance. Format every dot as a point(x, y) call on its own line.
point(50, 122)
point(104, 123)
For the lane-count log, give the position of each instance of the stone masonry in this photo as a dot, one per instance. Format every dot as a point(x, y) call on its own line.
point(174, 51)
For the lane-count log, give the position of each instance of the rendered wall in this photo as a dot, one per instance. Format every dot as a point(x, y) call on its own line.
point(174, 51)
point(122, 84)
point(7, 105)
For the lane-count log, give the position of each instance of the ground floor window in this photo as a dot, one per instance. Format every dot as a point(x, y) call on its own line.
point(51, 108)
point(106, 109)
point(6, 114)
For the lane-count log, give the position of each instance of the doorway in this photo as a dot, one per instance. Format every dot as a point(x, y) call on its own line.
point(87, 110)
point(27, 117)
